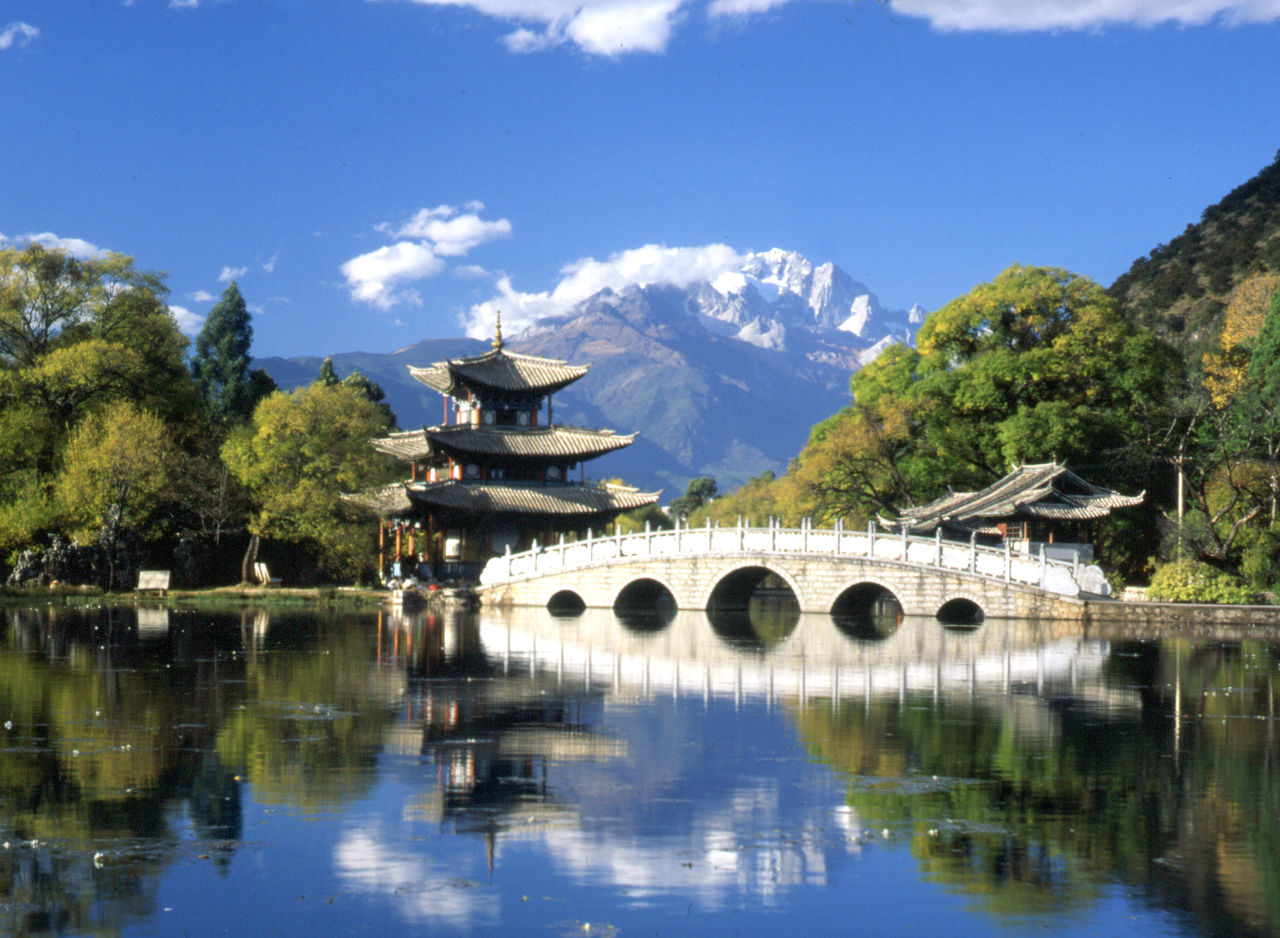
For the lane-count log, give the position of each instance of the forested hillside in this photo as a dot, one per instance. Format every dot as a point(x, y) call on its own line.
point(1180, 290)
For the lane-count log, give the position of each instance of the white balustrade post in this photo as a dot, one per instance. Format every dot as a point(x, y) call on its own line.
point(648, 539)
point(839, 531)
point(937, 547)
point(533, 554)
point(804, 537)
point(677, 535)
point(1008, 561)
point(906, 547)
point(1075, 566)
point(617, 536)
point(742, 536)
point(1044, 568)
point(591, 551)
point(708, 534)
point(871, 538)
point(973, 552)
point(773, 534)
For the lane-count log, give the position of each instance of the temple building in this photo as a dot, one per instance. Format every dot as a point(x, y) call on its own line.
point(498, 473)
point(1043, 503)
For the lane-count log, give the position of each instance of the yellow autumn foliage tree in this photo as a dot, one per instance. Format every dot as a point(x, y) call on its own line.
point(1226, 370)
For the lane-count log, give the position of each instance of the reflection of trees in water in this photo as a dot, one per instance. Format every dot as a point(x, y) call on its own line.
point(117, 725)
point(1181, 799)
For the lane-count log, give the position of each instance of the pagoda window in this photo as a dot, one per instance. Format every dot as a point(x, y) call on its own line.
point(554, 474)
point(472, 471)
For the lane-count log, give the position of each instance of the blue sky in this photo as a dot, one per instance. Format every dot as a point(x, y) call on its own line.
point(375, 172)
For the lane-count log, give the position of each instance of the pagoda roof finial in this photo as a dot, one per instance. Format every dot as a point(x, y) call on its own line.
point(497, 333)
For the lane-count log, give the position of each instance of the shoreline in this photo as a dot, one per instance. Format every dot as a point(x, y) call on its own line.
point(216, 597)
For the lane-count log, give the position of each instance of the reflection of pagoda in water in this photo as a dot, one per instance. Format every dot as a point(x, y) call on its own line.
point(491, 734)
point(499, 475)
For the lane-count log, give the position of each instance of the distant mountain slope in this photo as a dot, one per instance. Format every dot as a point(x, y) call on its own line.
point(722, 379)
point(1178, 290)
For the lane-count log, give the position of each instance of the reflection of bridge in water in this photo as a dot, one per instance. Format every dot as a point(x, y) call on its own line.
point(693, 654)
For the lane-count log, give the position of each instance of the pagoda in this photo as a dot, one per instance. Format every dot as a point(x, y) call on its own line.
point(1035, 504)
point(498, 475)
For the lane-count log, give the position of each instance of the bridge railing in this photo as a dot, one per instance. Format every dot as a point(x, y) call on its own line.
point(996, 563)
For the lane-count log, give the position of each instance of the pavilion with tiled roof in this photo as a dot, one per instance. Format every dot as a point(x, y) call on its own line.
point(1034, 503)
point(498, 476)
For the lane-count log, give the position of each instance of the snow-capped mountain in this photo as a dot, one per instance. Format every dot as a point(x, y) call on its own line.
point(779, 290)
point(722, 377)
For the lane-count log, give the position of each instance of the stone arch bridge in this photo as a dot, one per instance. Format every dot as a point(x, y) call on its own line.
point(826, 571)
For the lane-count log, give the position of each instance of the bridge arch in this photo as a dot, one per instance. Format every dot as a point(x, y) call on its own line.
point(646, 593)
point(566, 604)
point(746, 576)
point(961, 611)
point(867, 610)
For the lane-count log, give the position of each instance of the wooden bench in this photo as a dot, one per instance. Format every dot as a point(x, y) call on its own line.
point(264, 577)
point(153, 581)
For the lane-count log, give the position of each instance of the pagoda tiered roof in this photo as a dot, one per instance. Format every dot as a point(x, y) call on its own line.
point(1049, 491)
point(500, 371)
point(554, 442)
point(515, 498)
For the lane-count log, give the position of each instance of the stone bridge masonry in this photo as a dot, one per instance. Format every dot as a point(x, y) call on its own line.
point(820, 567)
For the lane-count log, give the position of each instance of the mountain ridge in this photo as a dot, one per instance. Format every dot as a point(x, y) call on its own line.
point(721, 377)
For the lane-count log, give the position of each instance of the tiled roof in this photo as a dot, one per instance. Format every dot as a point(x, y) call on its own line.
point(555, 442)
point(520, 499)
point(409, 445)
point(386, 500)
point(500, 370)
point(529, 442)
point(1042, 490)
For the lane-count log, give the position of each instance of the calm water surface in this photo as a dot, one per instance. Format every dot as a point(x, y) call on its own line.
point(188, 773)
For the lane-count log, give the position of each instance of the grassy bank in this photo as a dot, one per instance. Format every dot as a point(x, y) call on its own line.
point(221, 597)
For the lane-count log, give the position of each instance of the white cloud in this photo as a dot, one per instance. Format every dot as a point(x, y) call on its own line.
point(372, 277)
point(231, 273)
point(189, 323)
point(742, 7)
point(183, 4)
point(77, 246)
point(201, 296)
point(18, 33)
point(451, 234)
point(619, 27)
point(598, 27)
point(427, 238)
point(650, 264)
point(270, 264)
point(1029, 15)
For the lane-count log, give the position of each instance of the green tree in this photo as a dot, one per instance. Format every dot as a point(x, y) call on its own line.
point(115, 476)
point(697, 493)
point(297, 456)
point(328, 375)
point(371, 390)
point(77, 336)
point(220, 364)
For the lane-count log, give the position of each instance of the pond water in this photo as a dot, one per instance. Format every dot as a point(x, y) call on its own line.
point(168, 772)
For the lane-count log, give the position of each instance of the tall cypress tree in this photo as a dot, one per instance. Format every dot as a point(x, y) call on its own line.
point(221, 361)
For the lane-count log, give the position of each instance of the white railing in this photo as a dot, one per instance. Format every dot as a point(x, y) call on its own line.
point(1066, 577)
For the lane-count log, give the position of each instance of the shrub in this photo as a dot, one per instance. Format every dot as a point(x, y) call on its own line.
point(1191, 581)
